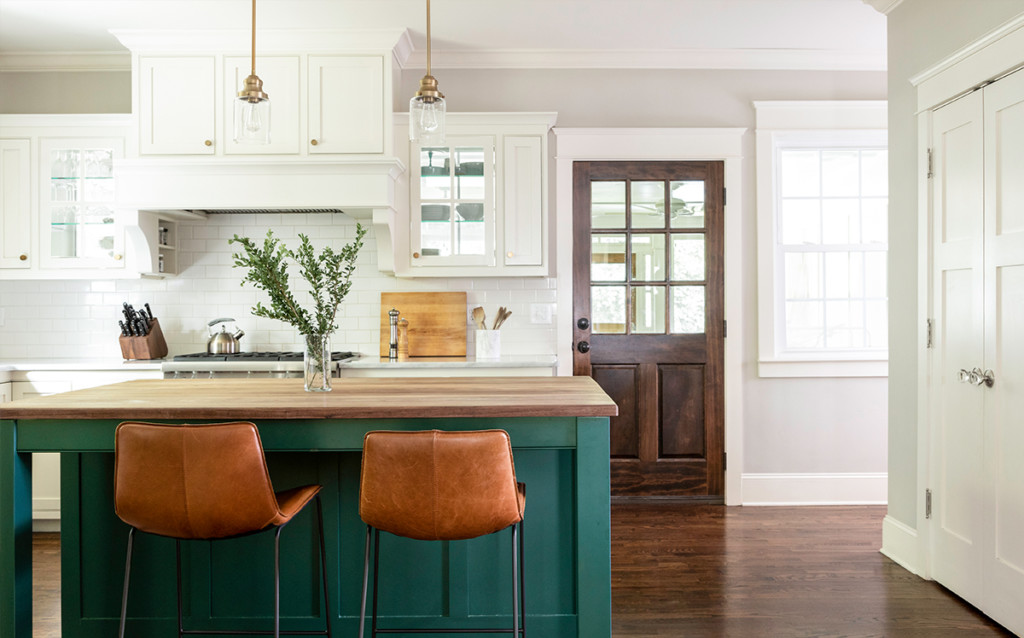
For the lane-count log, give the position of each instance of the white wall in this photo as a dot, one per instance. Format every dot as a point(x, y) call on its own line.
point(921, 33)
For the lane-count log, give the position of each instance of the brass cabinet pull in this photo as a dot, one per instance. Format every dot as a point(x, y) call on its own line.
point(23, 257)
point(510, 253)
point(208, 142)
point(118, 256)
point(415, 255)
point(313, 142)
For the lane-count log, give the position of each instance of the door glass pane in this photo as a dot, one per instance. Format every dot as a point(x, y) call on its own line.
point(687, 204)
point(608, 309)
point(81, 189)
point(608, 204)
point(608, 258)
point(648, 306)
point(435, 230)
point(435, 177)
point(688, 257)
point(469, 237)
point(688, 309)
point(647, 204)
point(648, 255)
point(469, 173)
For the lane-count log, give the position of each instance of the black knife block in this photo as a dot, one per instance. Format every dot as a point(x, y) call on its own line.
point(151, 346)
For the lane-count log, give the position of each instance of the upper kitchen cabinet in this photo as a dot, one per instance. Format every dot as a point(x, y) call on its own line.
point(58, 217)
point(330, 91)
point(480, 200)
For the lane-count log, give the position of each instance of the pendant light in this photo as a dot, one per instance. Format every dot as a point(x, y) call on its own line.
point(427, 107)
point(252, 106)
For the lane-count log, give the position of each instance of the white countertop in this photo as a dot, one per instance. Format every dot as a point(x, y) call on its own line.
point(78, 364)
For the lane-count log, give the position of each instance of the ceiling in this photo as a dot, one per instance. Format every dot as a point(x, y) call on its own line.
point(800, 34)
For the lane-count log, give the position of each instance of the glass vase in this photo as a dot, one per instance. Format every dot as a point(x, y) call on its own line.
point(316, 363)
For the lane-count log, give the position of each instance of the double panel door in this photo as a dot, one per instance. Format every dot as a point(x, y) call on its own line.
point(649, 319)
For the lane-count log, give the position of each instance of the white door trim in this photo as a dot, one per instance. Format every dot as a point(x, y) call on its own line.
point(672, 144)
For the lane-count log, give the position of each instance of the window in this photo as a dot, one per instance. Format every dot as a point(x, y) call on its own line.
point(822, 238)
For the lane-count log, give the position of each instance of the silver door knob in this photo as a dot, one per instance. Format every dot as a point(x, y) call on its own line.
point(985, 378)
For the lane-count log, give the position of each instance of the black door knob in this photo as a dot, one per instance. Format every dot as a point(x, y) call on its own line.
point(583, 323)
point(583, 347)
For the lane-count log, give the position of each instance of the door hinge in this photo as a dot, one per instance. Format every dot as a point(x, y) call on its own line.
point(725, 196)
point(930, 334)
point(928, 503)
point(930, 173)
point(725, 460)
point(725, 328)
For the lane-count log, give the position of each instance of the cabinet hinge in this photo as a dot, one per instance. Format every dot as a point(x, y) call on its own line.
point(930, 334)
point(928, 503)
point(930, 173)
point(725, 196)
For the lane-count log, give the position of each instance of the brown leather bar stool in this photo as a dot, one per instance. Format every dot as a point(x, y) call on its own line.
point(441, 486)
point(204, 482)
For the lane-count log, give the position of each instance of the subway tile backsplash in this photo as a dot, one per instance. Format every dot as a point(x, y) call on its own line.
point(78, 318)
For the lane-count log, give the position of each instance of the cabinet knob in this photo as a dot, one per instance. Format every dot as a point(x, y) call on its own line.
point(510, 253)
point(208, 142)
point(23, 257)
point(118, 256)
point(313, 142)
point(415, 255)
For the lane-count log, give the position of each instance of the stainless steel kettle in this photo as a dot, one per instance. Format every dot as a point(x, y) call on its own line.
point(223, 342)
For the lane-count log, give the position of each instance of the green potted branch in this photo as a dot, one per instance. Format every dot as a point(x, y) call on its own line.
point(329, 275)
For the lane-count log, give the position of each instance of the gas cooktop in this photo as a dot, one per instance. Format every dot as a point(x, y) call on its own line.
point(242, 357)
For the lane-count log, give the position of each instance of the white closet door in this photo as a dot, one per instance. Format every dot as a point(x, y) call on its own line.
point(1004, 351)
point(958, 297)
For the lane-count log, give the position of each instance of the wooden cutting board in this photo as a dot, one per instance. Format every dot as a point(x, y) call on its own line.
point(437, 322)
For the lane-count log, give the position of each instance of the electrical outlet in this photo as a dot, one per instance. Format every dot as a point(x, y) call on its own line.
point(540, 313)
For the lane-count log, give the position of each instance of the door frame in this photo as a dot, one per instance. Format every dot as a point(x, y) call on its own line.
point(663, 144)
point(984, 60)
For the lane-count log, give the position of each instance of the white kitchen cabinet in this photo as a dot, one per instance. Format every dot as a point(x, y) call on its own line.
point(280, 75)
point(346, 104)
point(63, 223)
point(176, 105)
point(479, 201)
point(15, 202)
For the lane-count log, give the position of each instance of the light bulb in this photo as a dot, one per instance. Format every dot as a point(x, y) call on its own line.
point(252, 121)
point(426, 120)
point(251, 117)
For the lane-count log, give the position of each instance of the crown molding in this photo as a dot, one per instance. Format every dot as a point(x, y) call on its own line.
point(67, 61)
point(884, 6)
point(740, 59)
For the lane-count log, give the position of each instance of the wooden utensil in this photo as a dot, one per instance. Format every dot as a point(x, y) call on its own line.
point(503, 314)
point(479, 317)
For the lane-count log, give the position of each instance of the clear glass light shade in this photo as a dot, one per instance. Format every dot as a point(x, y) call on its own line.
point(252, 121)
point(426, 120)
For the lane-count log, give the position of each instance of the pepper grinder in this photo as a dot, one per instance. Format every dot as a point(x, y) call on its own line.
point(393, 350)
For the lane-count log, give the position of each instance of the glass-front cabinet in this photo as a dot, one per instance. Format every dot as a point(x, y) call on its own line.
point(454, 203)
point(77, 223)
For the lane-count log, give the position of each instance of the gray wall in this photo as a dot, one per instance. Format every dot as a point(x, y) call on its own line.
point(65, 92)
point(921, 34)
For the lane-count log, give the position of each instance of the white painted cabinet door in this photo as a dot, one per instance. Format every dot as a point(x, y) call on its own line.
point(280, 75)
point(523, 178)
point(177, 105)
point(346, 104)
point(15, 203)
point(1004, 351)
point(958, 280)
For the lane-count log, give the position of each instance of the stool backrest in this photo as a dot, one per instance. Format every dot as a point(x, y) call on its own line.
point(192, 481)
point(434, 485)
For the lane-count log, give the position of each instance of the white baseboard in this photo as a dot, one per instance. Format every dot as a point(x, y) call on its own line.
point(46, 514)
point(862, 488)
point(899, 544)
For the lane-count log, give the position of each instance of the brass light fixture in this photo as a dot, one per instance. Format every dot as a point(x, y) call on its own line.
point(427, 107)
point(252, 106)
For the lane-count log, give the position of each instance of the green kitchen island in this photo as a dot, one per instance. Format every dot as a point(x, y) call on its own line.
point(559, 432)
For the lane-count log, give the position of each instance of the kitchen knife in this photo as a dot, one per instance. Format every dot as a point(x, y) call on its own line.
point(124, 329)
point(149, 312)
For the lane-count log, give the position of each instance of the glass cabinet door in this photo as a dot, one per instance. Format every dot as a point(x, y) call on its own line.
point(78, 227)
point(453, 203)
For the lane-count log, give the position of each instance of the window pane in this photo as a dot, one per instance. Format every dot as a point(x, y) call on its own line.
point(99, 163)
point(876, 324)
point(840, 221)
point(647, 204)
point(805, 324)
point(875, 275)
point(608, 309)
point(470, 237)
point(840, 173)
point(608, 204)
point(803, 276)
point(688, 309)
point(844, 275)
point(435, 231)
point(469, 173)
point(648, 310)
point(799, 173)
point(874, 173)
point(687, 204)
point(844, 321)
point(801, 221)
point(435, 175)
point(688, 257)
point(648, 255)
point(608, 258)
point(875, 220)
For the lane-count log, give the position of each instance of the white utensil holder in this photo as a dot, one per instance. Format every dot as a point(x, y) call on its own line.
point(488, 344)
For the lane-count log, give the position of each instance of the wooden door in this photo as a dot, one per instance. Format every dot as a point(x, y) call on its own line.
point(648, 301)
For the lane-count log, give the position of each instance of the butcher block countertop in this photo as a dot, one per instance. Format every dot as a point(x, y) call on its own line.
point(351, 398)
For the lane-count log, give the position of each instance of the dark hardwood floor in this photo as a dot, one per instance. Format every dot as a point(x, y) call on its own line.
point(693, 570)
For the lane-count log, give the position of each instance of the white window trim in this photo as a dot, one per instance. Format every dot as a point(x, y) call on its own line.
point(857, 120)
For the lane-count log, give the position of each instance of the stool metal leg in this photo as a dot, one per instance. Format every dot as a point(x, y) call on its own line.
point(177, 566)
point(376, 574)
point(366, 580)
point(522, 578)
point(127, 576)
point(515, 580)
